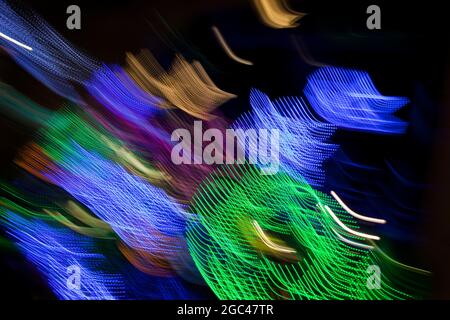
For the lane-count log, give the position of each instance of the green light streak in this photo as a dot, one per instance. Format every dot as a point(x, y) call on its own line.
point(221, 241)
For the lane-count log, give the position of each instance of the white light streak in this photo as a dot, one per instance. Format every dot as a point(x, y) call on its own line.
point(352, 243)
point(268, 242)
point(353, 213)
point(20, 44)
point(343, 226)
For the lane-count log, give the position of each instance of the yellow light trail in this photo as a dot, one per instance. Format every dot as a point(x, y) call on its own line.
point(269, 242)
point(276, 13)
point(227, 49)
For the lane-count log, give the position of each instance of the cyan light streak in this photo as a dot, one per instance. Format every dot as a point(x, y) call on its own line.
point(17, 106)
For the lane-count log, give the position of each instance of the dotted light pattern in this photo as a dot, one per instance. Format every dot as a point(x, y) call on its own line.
point(349, 99)
point(54, 249)
point(141, 214)
point(86, 162)
point(303, 139)
point(185, 86)
point(119, 93)
point(244, 219)
point(220, 241)
point(53, 60)
point(66, 127)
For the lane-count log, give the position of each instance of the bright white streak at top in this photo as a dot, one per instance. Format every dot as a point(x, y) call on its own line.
point(343, 226)
point(20, 44)
point(353, 213)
